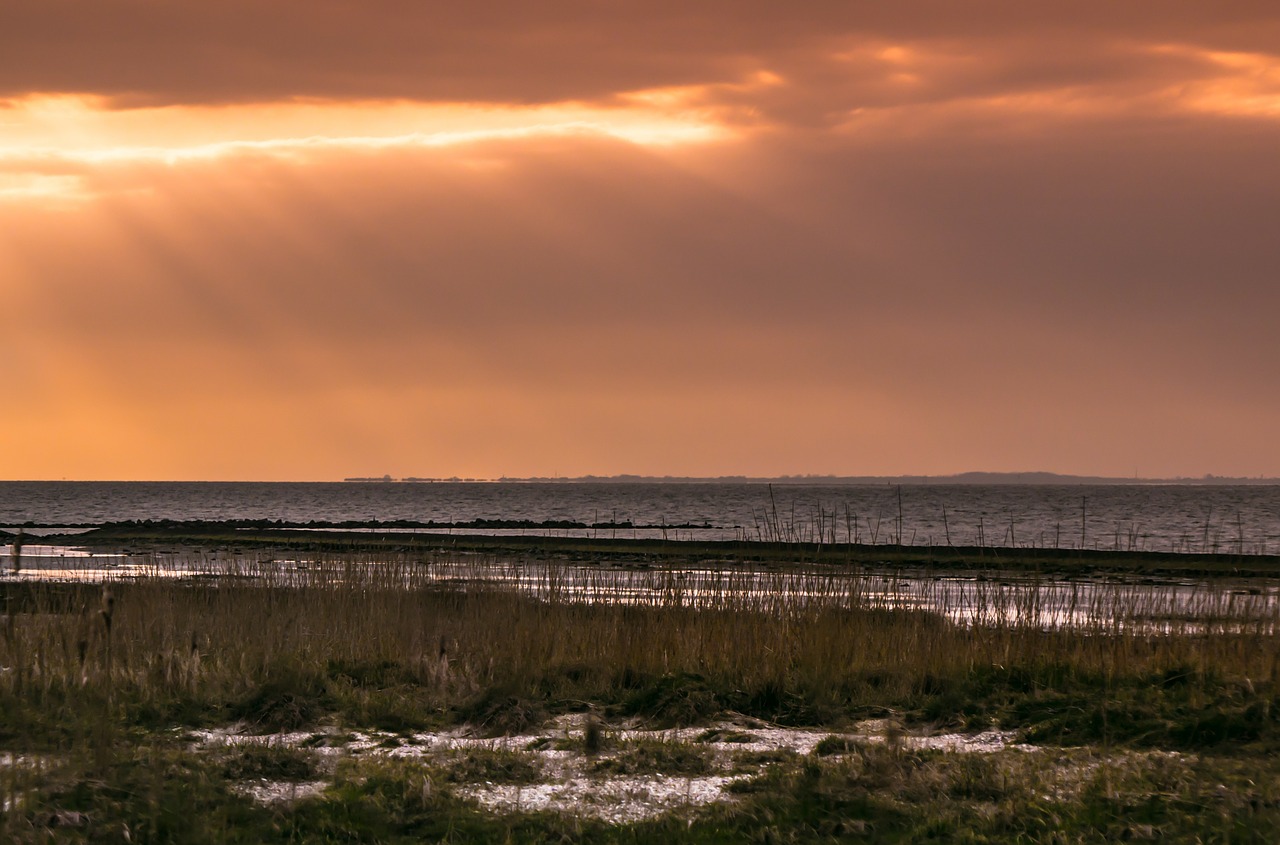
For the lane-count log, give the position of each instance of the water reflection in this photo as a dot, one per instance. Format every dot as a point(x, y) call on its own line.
point(990, 599)
point(1235, 519)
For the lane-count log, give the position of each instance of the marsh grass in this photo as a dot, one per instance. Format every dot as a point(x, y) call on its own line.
point(493, 765)
point(361, 643)
point(1011, 797)
point(353, 642)
point(873, 794)
point(656, 757)
point(593, 736)
point(270, 761)
point(725, 735)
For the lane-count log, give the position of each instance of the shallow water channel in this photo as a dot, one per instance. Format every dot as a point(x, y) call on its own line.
point(988, 598)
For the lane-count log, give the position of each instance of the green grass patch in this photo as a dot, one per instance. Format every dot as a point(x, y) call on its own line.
point(270, 762)
point(289, 698)
point(827, 746)
point(492, 765)
point(726, 735)
point(656, 757)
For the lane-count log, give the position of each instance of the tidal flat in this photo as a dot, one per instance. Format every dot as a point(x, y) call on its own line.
point(266, 693)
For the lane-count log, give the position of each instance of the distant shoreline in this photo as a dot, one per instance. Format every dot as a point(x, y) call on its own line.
point(1020, 478)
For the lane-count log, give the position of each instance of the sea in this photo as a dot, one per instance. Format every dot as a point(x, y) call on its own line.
point(1184, 518)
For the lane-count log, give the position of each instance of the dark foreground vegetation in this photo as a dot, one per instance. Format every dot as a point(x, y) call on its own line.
point(1169, 731)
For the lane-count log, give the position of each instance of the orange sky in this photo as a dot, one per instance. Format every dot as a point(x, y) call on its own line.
point(307, 240)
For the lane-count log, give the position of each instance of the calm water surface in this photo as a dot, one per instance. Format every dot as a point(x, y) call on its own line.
point(1152, 605)
point(1181, 518)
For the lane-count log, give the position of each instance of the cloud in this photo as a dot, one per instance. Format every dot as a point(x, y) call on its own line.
point(936, 304)
point(143, 51)
point(312, 241)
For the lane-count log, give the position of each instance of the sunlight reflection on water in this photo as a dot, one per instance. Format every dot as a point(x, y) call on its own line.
point(1146, 517)
point(987, 599)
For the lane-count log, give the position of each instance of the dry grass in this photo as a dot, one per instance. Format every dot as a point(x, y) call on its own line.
point(87, 675)
point(385, 644)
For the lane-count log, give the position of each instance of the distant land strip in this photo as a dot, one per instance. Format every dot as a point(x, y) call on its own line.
point(1043, 478)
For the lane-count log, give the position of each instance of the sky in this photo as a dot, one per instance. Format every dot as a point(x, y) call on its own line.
point(314, 239)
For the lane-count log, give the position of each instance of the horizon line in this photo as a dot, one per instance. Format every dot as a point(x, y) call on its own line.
point(971, 476)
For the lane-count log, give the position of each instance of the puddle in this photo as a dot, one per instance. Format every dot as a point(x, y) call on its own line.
point(1150, 605)
point(67, 563)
